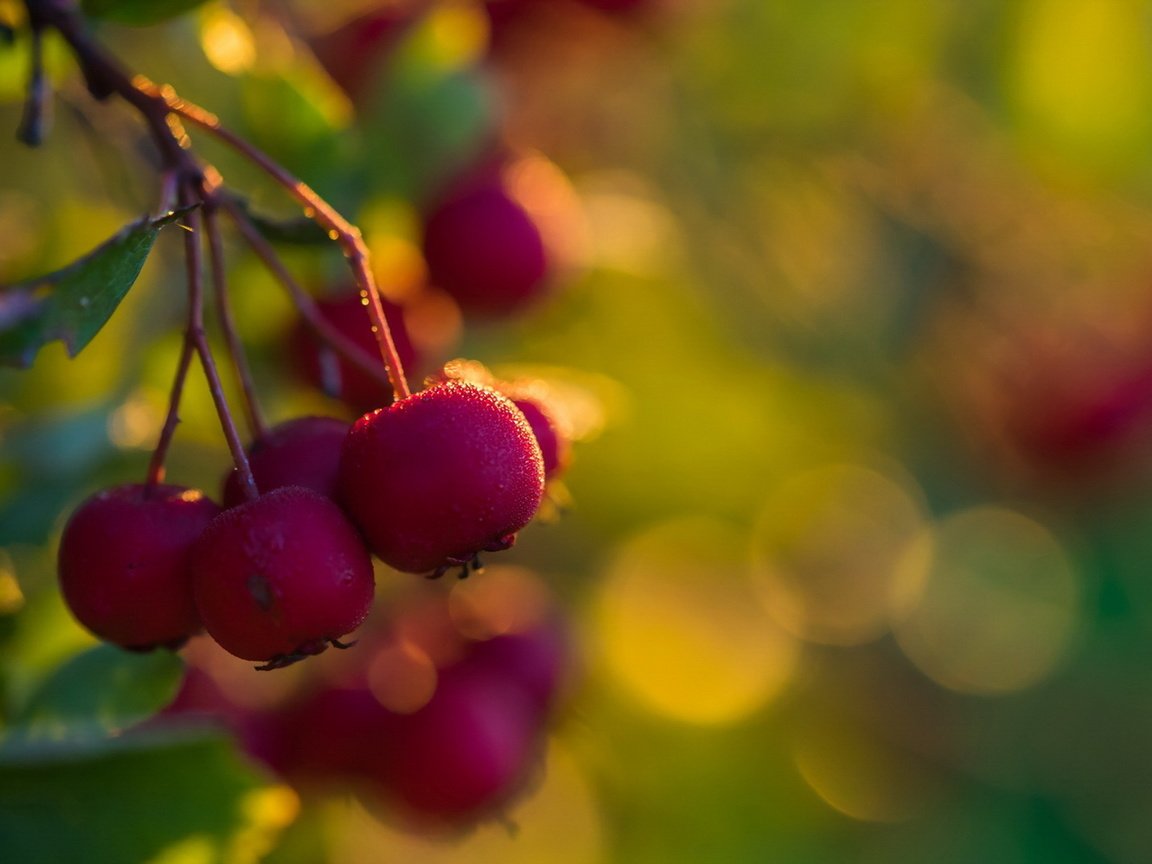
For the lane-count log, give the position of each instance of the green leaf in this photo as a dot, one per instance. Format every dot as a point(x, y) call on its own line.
point(104, 689)
point(141, 797)
point(138, 11)
point(72, 304)
point(300, 231)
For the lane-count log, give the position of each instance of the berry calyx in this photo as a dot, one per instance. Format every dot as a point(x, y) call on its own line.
point(304, 451)
point(281, 577)
point(123, 563)
point(441, 476)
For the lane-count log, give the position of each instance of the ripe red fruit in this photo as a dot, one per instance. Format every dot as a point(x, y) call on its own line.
point(485, 250)
point(440, 476)
point(281, 577)
point(321, 367)
point(555, 446)
point(353, 52)
point(304, 451)
point(123, 563)
point(464, 754)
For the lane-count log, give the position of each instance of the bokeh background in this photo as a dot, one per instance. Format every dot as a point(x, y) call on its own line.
point(851, 317)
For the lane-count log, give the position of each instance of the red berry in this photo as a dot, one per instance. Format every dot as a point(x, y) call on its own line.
point(354, 51)
point(123, 563)
point(304, 451)
point(555, 446)
point(464, 754)
point(483, 248)
point(281, 577)
point(440, 476)
point(320, 366)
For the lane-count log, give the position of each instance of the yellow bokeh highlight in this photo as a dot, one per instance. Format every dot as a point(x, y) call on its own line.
point(681, 629)
point(859, 776)
point(1000, 605)
point(559, 822)
point(829, 553)
point(11, 597)
point(196, 849)
point(137, 421)
point(454, 35)
point(227, 41)
point(1080, 71)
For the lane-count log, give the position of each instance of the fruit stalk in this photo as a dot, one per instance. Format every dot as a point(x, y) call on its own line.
point(193, 257)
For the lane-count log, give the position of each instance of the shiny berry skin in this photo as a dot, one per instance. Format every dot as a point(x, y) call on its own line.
point(555, 446)
point(304, 451)
point(440, 476)
point(281, 577)
point(321, 367)
point(485, 250)
point(123, 563)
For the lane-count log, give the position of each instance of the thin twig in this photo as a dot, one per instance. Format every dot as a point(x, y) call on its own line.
point(237, 355)
point(193, 257)
point(160, 454)
point(321, 212)
point(316, 323)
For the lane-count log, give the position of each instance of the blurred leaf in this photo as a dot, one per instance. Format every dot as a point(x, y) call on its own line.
point(99, 802)
point(426, 126)
point(138, 11)
point(300, 231)
point(104, 689)
point(72, 304)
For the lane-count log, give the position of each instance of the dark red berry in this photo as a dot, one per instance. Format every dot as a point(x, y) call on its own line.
point(463, 755)
point(322, 367)
point(535, 661)
point(440, 476)
point(304, 451)
point(281, 577)
point(353, 52)
point(555, 446)
point(123, 563)
point(485, 250)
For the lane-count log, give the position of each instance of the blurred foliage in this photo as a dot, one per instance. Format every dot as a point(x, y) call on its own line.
point(854, 324)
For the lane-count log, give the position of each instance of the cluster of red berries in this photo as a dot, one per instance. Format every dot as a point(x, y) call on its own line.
point(437, 719)
point(426, 484)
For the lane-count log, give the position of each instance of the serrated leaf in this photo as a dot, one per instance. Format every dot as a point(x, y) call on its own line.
point(104, 689)
point(72, 304)
point(138, 12)
point(135, 798)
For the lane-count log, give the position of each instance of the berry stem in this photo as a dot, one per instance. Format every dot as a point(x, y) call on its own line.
point(193, 257)
point(160, 454)
point(34, 120)
point(323, 214)
point(313, 320)
point(252, 412)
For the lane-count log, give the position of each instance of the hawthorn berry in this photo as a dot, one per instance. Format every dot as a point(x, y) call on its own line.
point(281, 577)
point(440, 476)
point(304, 451)
point(555, 446)
point(485, 250)
point(464, 754)
point(123, 563)
point(321, 367)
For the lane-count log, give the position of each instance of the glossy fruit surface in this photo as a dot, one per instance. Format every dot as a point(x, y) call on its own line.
point(123, 563)
point(281, 577)
point(304, 451)
point(554, 444)
point(436, 478)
